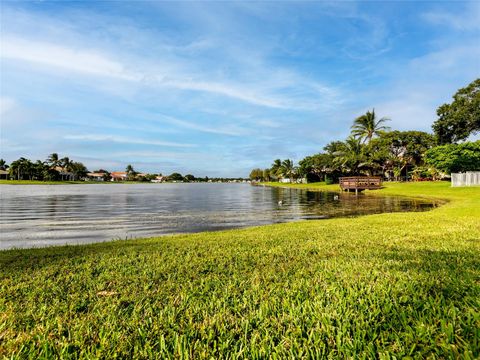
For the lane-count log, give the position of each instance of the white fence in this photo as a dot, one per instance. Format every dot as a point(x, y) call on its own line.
point(469, 178)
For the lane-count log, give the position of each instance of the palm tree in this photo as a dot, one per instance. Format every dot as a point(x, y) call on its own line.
point(21, 167)
point(66, 165)
point(365, 127)
point(275, 168)
point(53, 160)
point(131, 173)
point(77, 169)
point(3, 165)
point(351, 156)
point(288, 169)
point(65, 162)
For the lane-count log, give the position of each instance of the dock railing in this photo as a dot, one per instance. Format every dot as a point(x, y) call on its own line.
point(359, 183)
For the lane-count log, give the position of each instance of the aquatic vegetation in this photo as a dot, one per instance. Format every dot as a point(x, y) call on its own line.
point(387, 285)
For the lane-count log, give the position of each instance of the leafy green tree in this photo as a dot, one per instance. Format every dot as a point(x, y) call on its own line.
point(189, 178)
point(106, 176)
point(256, 174)
point(266, 175)
point(22, 169)
point(77, 169)
point(452, 158)
point(367, 126)
point(175, 177)
point(458, 120)
point(317, 167)
point(50, 174)
point(398, 151)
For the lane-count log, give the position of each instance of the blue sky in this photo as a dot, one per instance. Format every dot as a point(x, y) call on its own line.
point(217, 88)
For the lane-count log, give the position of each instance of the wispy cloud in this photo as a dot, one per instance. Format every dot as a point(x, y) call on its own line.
point(222, 130)
point(126, 140)
point(58, 56)
point(97, 63)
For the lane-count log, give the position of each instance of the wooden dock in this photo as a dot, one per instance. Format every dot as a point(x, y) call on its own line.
point(360, 183)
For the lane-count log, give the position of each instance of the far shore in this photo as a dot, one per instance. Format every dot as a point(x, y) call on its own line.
point(80, 182)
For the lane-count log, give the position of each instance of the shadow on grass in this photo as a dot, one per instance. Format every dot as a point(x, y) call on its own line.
point(37, 258)
point(453, 274)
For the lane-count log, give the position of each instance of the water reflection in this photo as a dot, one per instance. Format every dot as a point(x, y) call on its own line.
point(50, 215)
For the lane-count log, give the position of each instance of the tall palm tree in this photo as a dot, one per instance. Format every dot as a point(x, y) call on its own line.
point(3, 165)
point(66, 165)
point(21, 167)
point(129, 169)
point(275, 168)
point(53, 160)
point(288, 169)
point(131, 173)
point(365, 127)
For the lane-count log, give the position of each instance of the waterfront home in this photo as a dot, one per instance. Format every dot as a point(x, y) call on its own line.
point(118, 175)
point(95, 176)
point(159, 179)
point(64, 173)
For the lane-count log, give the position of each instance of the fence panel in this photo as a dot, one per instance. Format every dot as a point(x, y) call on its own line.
point(470, 178)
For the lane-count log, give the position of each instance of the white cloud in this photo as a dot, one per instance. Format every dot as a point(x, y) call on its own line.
point(58, 56)
point(274, 88)
point(222, 130)
point(125, 140)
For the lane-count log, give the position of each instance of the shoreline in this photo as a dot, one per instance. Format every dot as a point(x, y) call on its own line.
point(80, 182)
point(397, 284)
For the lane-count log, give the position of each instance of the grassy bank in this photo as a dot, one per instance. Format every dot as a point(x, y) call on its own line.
point(38, 182)
point(388, 285)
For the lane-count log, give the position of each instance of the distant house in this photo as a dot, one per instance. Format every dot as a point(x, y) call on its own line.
point(3, 174)
point(66, 175)
point(95, 176)
point(119, 175)
point(159, 179)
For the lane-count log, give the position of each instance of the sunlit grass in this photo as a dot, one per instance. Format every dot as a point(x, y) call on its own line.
point(41, 182)
point(378, 286)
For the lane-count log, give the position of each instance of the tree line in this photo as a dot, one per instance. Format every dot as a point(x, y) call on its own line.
point(372, 148)
point(53, 168)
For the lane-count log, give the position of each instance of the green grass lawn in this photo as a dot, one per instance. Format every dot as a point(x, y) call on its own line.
point(380, 286)
point(38, 182)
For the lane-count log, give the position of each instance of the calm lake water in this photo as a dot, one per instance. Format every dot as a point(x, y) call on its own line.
point(33, 216)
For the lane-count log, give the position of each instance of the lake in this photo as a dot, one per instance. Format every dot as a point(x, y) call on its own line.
point(41, 215)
